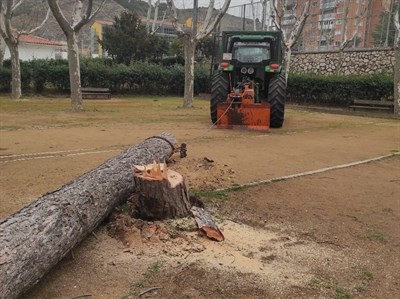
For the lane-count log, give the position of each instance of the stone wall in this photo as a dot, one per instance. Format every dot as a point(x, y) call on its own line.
point(345, 63)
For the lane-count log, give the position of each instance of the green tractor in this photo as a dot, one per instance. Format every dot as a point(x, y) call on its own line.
point(248, 85)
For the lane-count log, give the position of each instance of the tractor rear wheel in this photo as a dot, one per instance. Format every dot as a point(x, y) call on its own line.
point(219, 93)
point(277, 97)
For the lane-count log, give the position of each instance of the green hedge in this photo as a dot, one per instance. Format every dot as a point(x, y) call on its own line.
point(338, 90)
point(138, 78)
point(147, 78)
point(5, 79)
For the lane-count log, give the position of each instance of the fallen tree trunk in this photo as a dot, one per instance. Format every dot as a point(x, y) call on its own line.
point(38, 236)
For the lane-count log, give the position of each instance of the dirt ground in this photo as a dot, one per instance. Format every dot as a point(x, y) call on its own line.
point(329, 235)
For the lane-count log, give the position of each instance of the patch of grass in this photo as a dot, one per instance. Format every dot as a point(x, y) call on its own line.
point(221, 195)
point(53, 112)
point(360, 287)
point(127, 209)
point(237, 188)
point(375, 235)
point(338, 292)
point(341, 293)
point(366, 274)
point(143, 282)
point(315, 282)
point(155, 267)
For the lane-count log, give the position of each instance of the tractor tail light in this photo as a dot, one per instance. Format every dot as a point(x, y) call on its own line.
point(274, 66)
point(224, 65)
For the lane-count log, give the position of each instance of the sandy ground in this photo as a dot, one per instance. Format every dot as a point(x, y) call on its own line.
point(331, 235)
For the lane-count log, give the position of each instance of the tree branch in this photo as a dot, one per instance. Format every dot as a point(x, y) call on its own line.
point(61, 19)
point(397, 27)
point(208, 28)
point(38, 27)
point(77, 12)
point(18, 4)
point(298, 27)
point(253, 12)
point(154, 29)
point(274, 19)
point(7, 32)
point(155, 17)
point(264, 12)
point(148, 17)
point(209, 14)
point(177, 26)
point(95, 12)
point(2, 22)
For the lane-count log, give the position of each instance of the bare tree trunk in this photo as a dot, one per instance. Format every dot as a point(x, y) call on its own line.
point(155, 18)
point(397, 62)
point(288, 56)
point(149, 9)
point(264, 15)
point(2, 50)
point(38, 236)
point(71, 29)
point(190, 41)
point(294, 34)
point(15, 71)
point(397, 80)
point(253, 11)
point(190, 48)
point(74, 72)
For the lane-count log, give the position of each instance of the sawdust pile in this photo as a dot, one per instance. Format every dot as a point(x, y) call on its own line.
point(205, 174)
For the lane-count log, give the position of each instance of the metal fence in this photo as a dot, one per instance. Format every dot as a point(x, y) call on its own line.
point(321, 32)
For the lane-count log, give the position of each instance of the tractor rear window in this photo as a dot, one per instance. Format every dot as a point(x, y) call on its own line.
point(251, 52)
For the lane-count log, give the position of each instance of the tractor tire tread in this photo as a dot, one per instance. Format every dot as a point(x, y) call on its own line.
point(277, 97)
point(219, 93)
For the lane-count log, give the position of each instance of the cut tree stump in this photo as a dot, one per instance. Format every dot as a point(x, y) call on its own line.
point(38, 236)
point(162, 192)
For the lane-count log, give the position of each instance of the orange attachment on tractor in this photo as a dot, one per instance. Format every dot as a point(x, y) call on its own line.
point(241, 110)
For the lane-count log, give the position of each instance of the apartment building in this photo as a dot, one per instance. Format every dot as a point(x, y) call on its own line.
point(333, 22)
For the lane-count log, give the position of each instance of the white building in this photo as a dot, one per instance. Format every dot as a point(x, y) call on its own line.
point(34, 47)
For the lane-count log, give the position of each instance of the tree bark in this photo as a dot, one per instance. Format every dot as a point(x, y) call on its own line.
point(288, 56)
point(190, 48)
point(2, 50)
point(206, 224)
point(15, 71)
point(397, 80)
point(74, 72)
point(38, 236)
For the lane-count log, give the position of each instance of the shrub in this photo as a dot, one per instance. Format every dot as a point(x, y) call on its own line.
point(5, 79)
point(338, 90)
point(202, 79)
point(40, 69)
point(6, 75)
